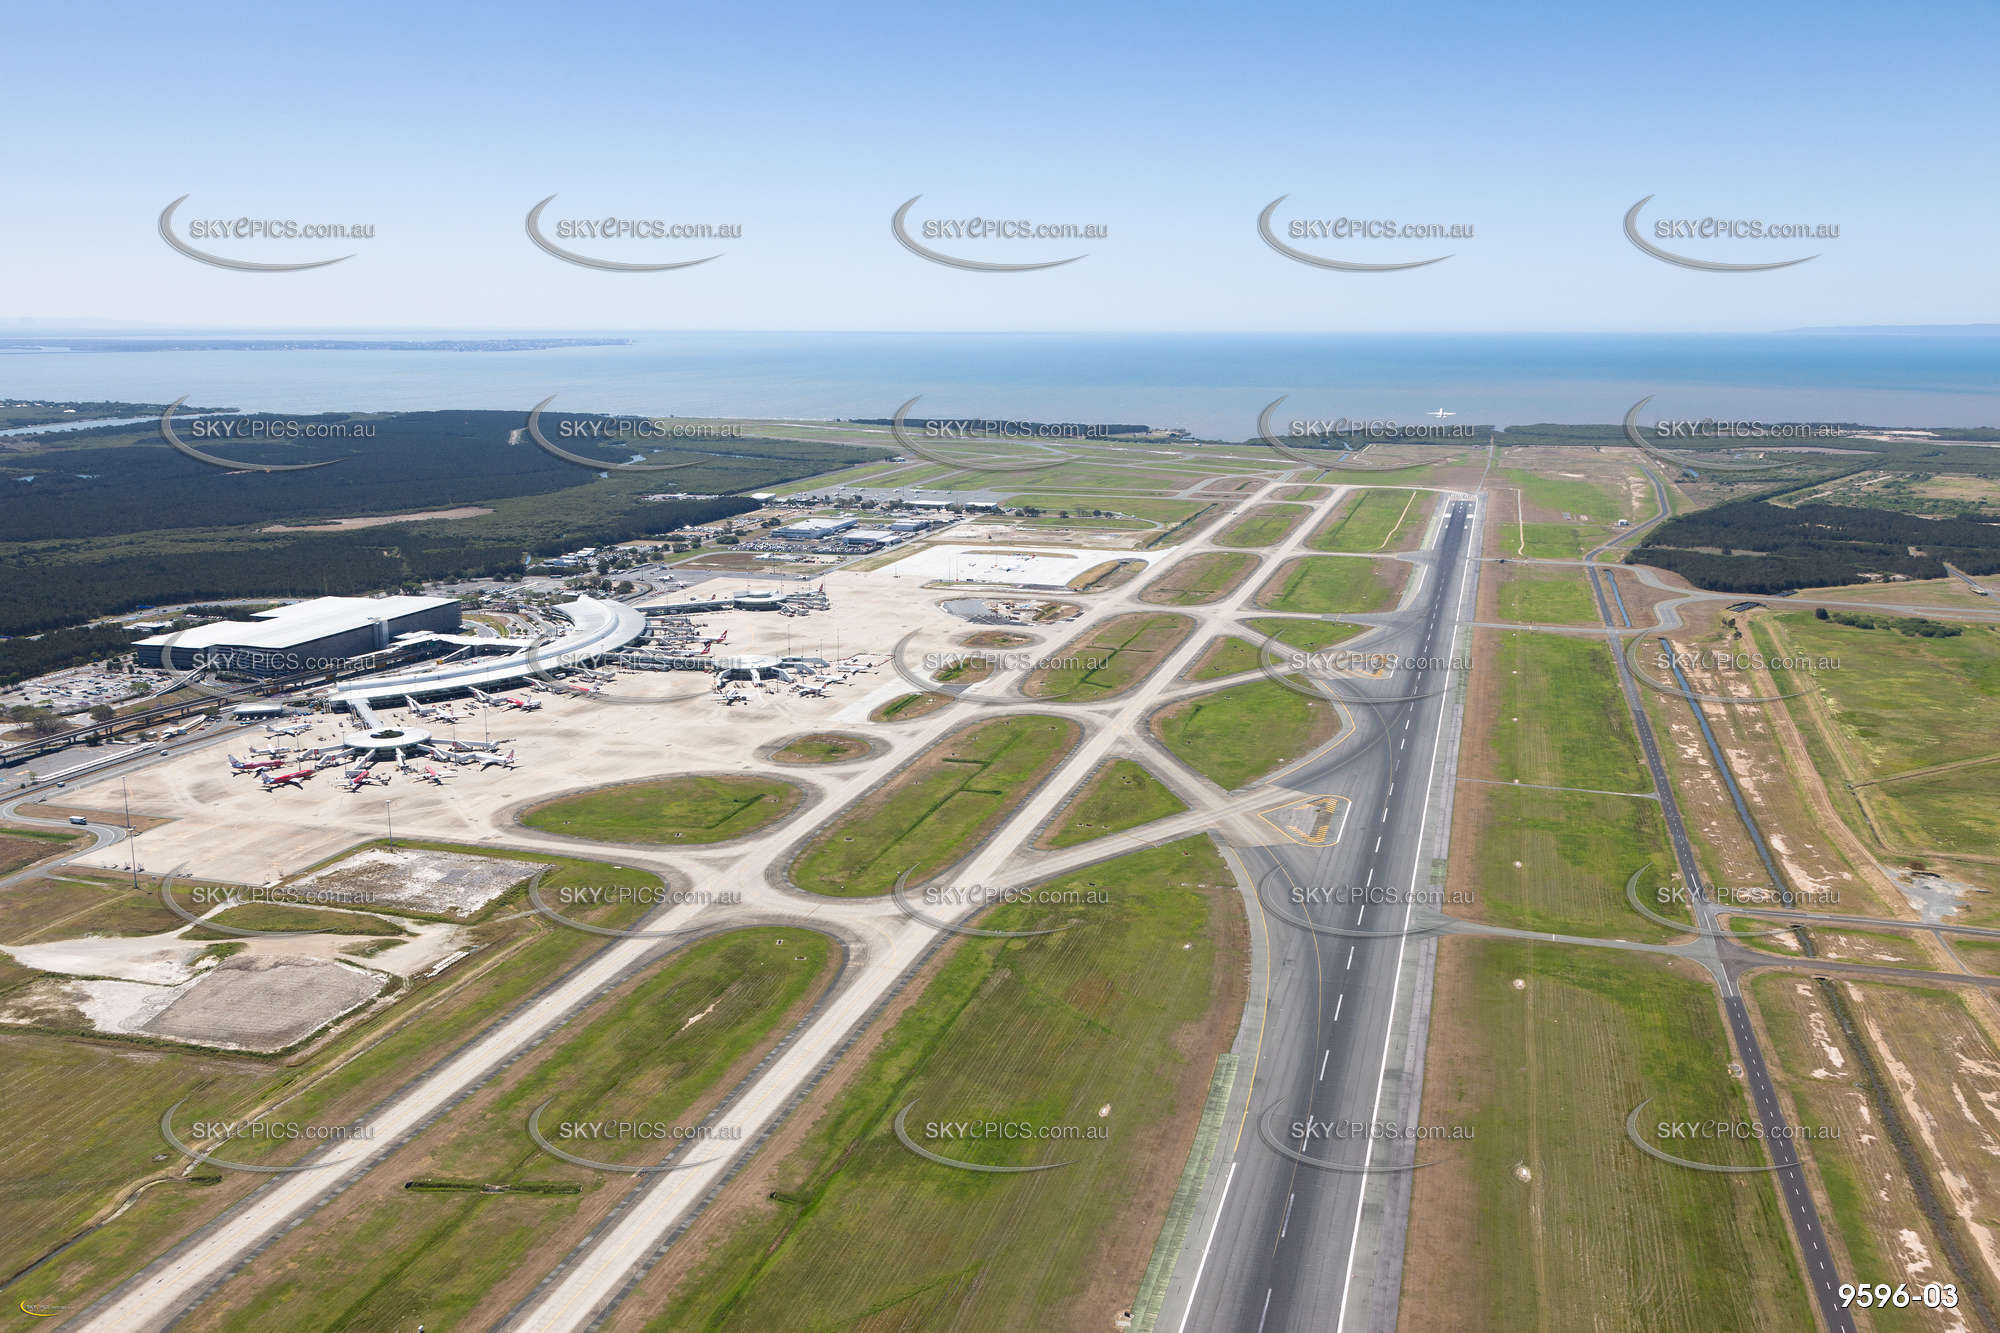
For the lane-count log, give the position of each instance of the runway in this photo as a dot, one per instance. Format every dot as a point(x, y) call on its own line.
point(1279, 1254)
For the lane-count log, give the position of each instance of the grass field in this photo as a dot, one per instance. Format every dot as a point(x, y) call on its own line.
point(696, 808)
point(1551, 1219)
point(1262, 526)
point(1308, 636)
point(1375, 520)
point(1108, 659)
point(1167, 512)
point(1546, 596)
point(1876, 948)
point(1587, 501)
point(1553, 541)
point(1558, 861)
point(1120, 795)
point(1982, 956)
point(909, 707)
point(85, 1113)
point(1302, 492)
point(654, 1052)
point(937, 810)
point(1561, 719)
point(73, 902)
point(821, 747)
point(1893, 706)
point(1333, 584)
point(24, 846)
point(1200, 578)
point(1224, 656)
point(1110, 1026)
point(284, 916)
point(1903, 702)
point(1236, 735)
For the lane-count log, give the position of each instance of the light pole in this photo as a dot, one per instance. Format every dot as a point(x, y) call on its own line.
point(130, 837)
point(389, 819)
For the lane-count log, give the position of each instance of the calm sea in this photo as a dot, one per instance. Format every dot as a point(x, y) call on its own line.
point(1212, 384)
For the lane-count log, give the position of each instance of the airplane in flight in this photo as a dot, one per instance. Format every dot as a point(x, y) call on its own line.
point(296, 778)
point(1440, 414)
point(254, 766)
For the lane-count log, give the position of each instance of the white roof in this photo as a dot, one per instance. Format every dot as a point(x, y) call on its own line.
point(301, 622)
point(596, 627)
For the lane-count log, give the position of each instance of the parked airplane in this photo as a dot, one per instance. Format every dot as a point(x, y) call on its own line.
point(733, 696)
point(254, 766)
point(295, 778)
point(431, 775)
point(421, 710)
point(270, 751)
point(507, 701)
point(357, 780)
point(293, 730)
point(496, 760)
point(810, 690)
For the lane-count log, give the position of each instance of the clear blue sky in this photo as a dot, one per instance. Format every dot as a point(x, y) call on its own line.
point(1171, 125)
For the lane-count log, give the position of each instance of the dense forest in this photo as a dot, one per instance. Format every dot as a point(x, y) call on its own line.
point(1755, 546)
point(106, 521)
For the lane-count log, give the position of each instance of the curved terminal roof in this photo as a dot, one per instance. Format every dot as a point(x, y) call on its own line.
point(596, 627)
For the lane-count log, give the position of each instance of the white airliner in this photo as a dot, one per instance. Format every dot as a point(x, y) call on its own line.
point(733, 697)
point(487, 760)
point(507, 701)
point(293, 730)
point(809, 690)
point(1440, 414)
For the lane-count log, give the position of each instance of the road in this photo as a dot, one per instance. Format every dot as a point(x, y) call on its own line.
point(1792, 1188)
point(1280, 1253)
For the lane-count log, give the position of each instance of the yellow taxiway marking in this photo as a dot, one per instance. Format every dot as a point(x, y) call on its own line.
point(1315, 821)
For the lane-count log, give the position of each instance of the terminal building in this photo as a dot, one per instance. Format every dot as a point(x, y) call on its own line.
point(305, 636)
point(814, 529)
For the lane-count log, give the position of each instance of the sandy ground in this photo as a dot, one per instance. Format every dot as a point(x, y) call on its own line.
point(349, 524)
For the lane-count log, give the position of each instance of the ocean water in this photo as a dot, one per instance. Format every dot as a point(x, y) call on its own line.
point(1212, 384)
